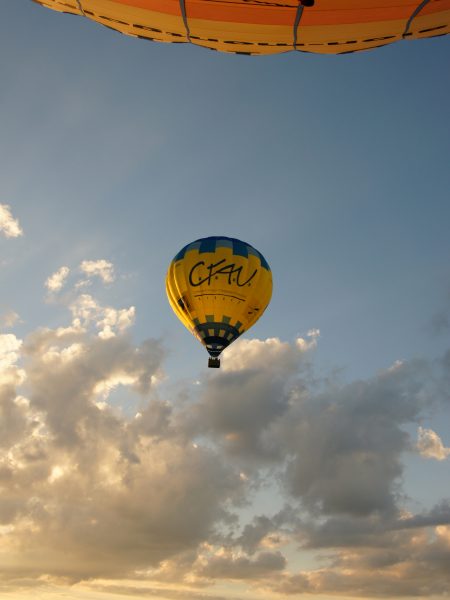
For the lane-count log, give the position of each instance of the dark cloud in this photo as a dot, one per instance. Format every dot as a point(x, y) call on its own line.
point(239, 409)
point(13, 421)
point(409, 570)
point(345, 445)
point(241, 406)
point(438, 515)
point(373, 531)
point(243, 567)
point(376, 556)
point(262, 526)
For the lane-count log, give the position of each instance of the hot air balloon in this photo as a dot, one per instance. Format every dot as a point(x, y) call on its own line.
point(218, 287)
point(268, 26)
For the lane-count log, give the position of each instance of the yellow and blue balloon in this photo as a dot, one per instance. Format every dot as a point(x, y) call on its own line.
point(218, 287)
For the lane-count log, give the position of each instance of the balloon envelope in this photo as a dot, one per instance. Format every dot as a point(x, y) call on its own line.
point(218, 287)
point(268, 26)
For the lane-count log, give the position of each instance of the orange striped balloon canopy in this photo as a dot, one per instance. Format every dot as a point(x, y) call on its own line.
point(268, 26)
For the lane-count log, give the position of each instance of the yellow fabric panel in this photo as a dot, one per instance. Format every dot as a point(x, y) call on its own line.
point(327, 39)
point(218, 286)
point(329, 26)
point(427, 25)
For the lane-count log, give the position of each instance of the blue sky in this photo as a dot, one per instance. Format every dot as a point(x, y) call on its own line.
point(336, 169)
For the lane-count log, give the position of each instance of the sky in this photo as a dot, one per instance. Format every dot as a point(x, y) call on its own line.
point(316, 462)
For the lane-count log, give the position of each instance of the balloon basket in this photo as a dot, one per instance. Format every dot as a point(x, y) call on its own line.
point(214, 363)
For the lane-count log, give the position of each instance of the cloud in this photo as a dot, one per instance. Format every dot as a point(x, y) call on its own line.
point(242, 405)
point(13, 423)
point(104, 477)
point(55, 282)
point(95, 493)
point(340, 448)
point(9, 319)
point(438, 515)
point(109, 321)
point(98, 268)
point(101, 269)
point(430, 445)
point(266, 531)
point(374, 531)
point(9, 226)
point(345, 444)
point(269, 354)
point(87, 490)
point(226, 565)
point(406, 564)
point(10, 373)
point(85, 309)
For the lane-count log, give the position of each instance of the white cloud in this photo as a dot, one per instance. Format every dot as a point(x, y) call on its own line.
point(109, 321)
point(85, 308)
point(271, 354)
point(55, 282)
point(63, 355)
point(98, 268)
point(430, 445)
point(115, 320)
point(9, 226)
point(10, 346)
